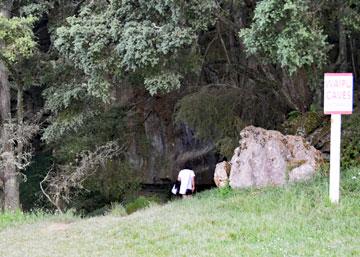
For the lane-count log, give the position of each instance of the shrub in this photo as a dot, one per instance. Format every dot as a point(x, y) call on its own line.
point(214, 115)
point(117, 209)
point(304, 123)
point(350, 155)
point(140, 203)
point(225, 191)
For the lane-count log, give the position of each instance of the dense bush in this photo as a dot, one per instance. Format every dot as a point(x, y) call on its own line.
point(115, 182)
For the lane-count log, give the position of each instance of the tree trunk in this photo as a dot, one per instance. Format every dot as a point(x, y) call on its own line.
point(4, 93)
point(11, 190)
point(342, 61)
point(8, 174)
point(296, 87)
point(2, 200)
point(20, 104)
point(5, 104)
point(5, 8)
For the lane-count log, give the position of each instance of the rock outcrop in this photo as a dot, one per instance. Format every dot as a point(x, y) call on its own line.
point(158, 148)
point(267, 157)
point(221, 175)
point(314, 127)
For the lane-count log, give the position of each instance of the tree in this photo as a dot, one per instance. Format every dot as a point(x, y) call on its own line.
point(16, 41)
point(120, 44)
point(109, 42)
point(295, 34)
point(286, 32)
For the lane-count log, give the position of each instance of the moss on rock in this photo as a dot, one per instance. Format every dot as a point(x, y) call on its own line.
point(303, 123)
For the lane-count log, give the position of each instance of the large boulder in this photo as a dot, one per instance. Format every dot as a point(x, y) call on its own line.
point(221, 174)
point(267, 157)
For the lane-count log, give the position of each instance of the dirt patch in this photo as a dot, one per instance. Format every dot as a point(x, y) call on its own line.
point(57, 227)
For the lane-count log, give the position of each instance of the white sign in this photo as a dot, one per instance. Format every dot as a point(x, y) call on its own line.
point(338, 93)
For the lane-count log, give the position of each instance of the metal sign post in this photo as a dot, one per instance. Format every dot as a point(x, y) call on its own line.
point(338, 99)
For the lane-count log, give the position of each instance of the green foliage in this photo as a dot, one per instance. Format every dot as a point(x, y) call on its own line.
point(352, 15)
point(293, 115)
point(89, 131)
point(303, 123)
point(117, 210)
point(307, 123)
point(60, 98)
point(286, 32)
point(31, 196)
point(214, 115)
point(35, 8)
point(116, 181)
point(107, 41)
point(139, 203)
point(17, 37)
point(67, 122)
point(350, 154)
point(71, 104)
point(225, 191)
point(145, 42)
point(227, 144)
point(211, 112)
point(162, 83)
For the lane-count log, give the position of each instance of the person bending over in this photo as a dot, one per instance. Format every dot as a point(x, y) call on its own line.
point(187, 182)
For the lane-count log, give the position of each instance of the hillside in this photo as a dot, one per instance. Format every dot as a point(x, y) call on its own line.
point(293, 221)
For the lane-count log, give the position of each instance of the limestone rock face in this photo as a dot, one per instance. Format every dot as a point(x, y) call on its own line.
point(221, 175)
point(158, 148)
point(267, 157)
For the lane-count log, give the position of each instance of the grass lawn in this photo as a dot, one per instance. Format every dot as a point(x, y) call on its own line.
point(295, 220)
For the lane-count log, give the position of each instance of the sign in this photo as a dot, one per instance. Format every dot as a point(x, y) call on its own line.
point(338, 99)
point(338, 93)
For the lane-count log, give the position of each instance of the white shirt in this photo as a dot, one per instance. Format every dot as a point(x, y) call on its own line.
point(185, 176)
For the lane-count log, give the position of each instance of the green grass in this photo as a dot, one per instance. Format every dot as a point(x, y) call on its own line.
point(12, 219)
point(140, 203)
point(295, 220)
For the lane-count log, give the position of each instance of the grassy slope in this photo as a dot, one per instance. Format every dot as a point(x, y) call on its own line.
point(291, 221)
